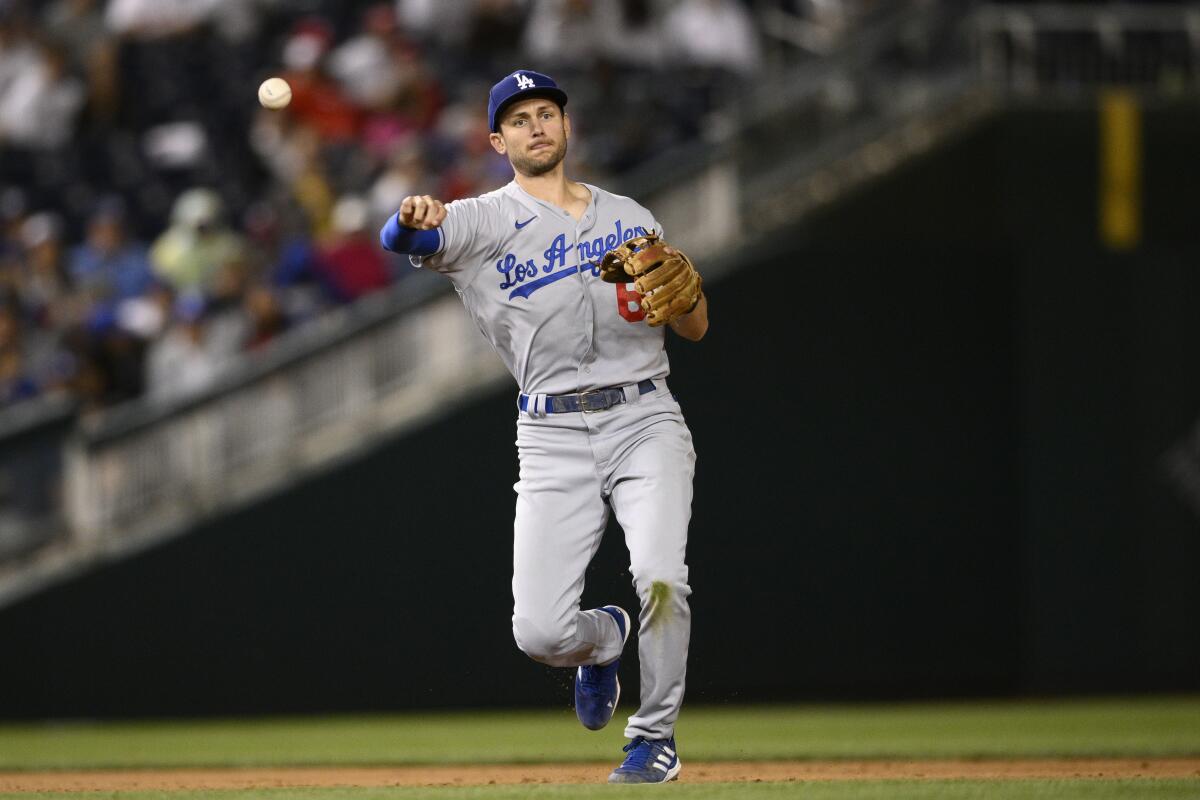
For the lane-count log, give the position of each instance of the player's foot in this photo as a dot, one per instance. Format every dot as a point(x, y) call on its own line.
point(649, 761)
point(597, 689)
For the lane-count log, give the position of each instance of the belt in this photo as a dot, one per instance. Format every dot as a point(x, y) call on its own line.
point(595, 400)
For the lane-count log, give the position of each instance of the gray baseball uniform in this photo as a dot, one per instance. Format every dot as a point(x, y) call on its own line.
point(527, 272)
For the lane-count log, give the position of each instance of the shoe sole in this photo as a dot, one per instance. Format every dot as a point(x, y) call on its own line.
point(672, 774)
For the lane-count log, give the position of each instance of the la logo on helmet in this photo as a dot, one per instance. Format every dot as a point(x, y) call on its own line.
point(524, 81)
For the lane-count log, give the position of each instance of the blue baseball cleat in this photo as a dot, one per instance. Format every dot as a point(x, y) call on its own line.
point(597, 689)
point(649, 761)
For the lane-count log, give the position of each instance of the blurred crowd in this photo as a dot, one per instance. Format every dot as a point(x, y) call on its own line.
point(155, 223)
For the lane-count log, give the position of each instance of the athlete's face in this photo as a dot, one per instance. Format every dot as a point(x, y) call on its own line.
point(533, 134)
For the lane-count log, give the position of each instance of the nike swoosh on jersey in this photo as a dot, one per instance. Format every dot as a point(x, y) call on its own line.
point(526, 222)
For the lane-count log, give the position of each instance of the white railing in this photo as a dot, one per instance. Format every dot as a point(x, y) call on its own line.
point(277, 426)
point(1036, 48)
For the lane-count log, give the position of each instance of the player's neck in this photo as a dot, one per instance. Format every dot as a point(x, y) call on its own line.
point(552, 187)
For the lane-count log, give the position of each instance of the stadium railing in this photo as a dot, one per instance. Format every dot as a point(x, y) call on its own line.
point(34, 434)
point(1061, 50)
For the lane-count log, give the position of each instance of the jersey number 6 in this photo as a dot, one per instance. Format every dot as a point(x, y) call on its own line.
point(629, 303)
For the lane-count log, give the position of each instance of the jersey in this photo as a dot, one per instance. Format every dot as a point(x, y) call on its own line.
point(528, 274)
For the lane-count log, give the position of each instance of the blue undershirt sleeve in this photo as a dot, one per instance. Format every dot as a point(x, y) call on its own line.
point(401, 239)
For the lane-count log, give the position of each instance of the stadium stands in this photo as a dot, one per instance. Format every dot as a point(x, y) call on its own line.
point(143, 193)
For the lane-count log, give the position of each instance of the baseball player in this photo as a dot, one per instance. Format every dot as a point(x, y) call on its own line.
point(574, 288)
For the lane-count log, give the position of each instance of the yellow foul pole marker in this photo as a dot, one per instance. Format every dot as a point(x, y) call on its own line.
point(1120, 170)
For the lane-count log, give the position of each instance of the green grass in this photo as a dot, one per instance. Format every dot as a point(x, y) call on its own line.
point(1110, 727)
point(848, 790)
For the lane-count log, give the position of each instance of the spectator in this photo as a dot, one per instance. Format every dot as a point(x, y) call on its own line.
point(441, 22)
point(147, 315)
point(403, 175)
point(115, 356)
point(191, 253)
point(181, 363)
point(157, 19)
point(381, 71)
point(77, 26)
point(285, 255)
point(317, 101)
point(568, 33)
point(108, 265)
point(352, 264)
point(11, 330)
point(265, 317)
point(45, 290)
point(496, 28)
point(39, 105)
point(367, 66)
point(715, 33)
point(18, 52)
point(15, 382)
point(631, 34)
point(310, 183)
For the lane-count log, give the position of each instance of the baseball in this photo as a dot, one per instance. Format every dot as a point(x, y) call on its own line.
point(274, 93)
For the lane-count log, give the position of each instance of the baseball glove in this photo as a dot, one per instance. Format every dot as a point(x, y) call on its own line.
point(663, 276)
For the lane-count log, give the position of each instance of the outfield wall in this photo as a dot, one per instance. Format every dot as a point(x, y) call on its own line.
point(943, 450)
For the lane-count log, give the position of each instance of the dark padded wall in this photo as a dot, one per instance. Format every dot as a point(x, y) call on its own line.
point(930, 424)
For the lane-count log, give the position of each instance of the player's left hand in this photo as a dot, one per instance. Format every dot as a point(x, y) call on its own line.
point(663, 275)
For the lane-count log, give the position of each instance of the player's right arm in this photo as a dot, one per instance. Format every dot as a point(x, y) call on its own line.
point(413, 229)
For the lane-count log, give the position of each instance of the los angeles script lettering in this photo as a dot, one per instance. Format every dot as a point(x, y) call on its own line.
point(554, 257)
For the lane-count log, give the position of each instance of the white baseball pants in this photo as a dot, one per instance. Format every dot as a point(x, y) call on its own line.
point(636, 457)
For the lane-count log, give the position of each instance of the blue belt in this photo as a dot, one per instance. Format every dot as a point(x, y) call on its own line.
point(595, 400)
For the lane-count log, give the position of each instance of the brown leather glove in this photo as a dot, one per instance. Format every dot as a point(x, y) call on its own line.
point(665, 278)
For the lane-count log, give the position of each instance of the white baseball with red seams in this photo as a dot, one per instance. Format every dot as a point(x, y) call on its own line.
point(528, 273)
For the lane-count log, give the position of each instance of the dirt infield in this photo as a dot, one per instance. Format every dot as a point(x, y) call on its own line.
point(694, 772)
